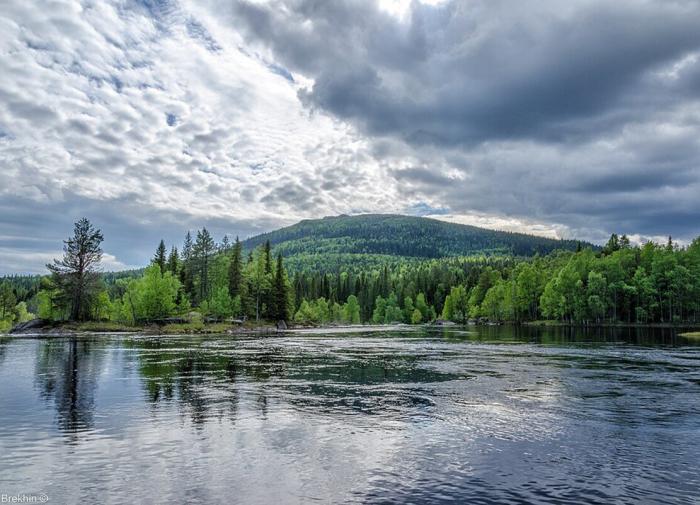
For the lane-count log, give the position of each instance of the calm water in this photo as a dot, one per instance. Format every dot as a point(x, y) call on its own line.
point(493, 416)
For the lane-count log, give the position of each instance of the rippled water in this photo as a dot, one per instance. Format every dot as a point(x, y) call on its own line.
point(493, 415)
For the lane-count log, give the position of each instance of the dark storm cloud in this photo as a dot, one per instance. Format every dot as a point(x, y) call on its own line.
point(579, 113)
point(154, 116)
point(468, 72)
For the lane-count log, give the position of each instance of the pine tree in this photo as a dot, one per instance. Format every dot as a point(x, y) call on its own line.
point(159, 258)
point(76, 276)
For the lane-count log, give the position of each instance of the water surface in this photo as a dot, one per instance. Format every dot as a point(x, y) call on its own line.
point(487, 415)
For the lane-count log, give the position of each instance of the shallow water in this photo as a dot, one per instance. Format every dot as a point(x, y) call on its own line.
point(488, 415)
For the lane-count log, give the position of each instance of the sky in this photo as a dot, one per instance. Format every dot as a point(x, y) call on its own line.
point(151, 117)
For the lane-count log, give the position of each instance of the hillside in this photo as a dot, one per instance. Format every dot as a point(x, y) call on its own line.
point(376, 238)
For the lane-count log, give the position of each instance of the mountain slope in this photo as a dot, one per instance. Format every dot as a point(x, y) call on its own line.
point(398, 237)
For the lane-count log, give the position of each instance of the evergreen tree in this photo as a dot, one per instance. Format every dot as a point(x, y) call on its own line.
point(186, 271)
point(259, 283)
point(268, 257)
point(235, 273)
point(203, 250)
point(7, 299)
point(225, 244)
point(280, 292)
point(173, 261)
point(159, 258)
point(76, 275)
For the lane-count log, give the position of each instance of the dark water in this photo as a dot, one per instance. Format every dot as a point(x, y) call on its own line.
point(499, 415)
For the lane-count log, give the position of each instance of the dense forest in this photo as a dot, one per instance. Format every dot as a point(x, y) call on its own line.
point(208, 281)
point(358, 243)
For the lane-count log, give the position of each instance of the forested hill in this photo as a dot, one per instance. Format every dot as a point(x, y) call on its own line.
point(404, 236)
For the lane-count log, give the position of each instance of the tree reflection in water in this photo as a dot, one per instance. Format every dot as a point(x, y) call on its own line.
point(67, 372)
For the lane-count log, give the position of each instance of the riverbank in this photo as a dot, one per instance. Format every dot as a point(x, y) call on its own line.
point(38, 327)
point(561, 324)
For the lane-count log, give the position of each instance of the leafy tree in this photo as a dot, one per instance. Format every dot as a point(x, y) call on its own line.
point(306, 314)
point(457, 303)
point(153, 296)
point(351, 310)
point(379, 314)
point(422, 307)
point(416, 317)
point(222, 305)
point(76, 275)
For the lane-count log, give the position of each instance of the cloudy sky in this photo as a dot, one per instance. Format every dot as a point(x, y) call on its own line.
point(572, 119)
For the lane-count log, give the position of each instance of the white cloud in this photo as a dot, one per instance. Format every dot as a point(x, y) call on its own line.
point(175, 116)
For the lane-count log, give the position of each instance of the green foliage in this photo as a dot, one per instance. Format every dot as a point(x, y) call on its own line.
point(323, 242)
point(159, 258)
point(280, 295)
point(75, 276)
point(222, 305)
point(647, 284)
point(456, 307)
point(151, 297)
point(351, 310)
point(7, 299)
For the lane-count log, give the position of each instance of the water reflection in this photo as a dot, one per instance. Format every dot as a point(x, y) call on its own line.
point(67, 373)
point(487, 415)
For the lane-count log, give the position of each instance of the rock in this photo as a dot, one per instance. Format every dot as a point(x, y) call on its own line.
point(281, 325)
point(34, 324)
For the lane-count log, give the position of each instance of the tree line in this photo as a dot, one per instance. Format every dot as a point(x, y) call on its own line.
point(621, 282)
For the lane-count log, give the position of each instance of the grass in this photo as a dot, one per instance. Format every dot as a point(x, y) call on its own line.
point(691, 334)
point(544, 322)
point(99, 327)
point(198, 327)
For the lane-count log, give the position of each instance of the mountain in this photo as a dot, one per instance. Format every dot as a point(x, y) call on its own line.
point(379, 237)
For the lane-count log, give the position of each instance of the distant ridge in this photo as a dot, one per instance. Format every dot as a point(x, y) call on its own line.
point(401, 236)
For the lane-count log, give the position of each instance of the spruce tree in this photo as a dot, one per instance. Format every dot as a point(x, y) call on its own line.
point(225, 244)
point(235, 272)
point(186, 271)
point(173, 261)
point(203, 250)
point(280, 292)
point(159, 258)
point(7, 299)
point(268, 258)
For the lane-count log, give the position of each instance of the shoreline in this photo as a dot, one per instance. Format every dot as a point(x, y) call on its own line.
point(62, 329)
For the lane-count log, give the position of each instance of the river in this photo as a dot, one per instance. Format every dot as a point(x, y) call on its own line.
point(475, 415)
